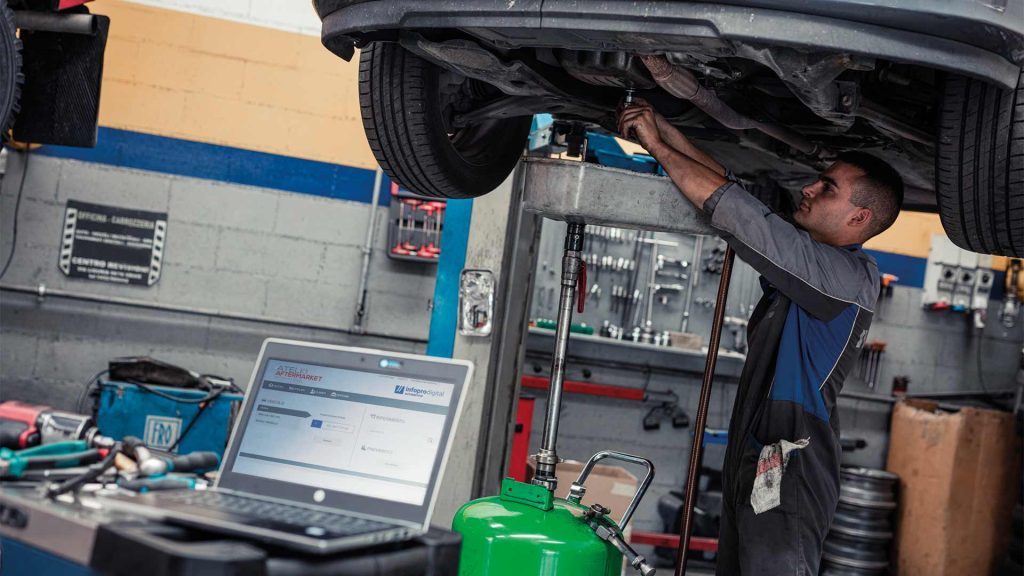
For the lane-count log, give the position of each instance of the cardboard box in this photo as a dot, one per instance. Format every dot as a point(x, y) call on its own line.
point(686, 341)
point(610, 486)
point(959, 477)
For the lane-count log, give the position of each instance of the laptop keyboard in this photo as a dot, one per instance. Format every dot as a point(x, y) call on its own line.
point(334, 523)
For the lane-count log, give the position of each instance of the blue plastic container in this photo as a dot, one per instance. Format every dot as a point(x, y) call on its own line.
point(129, 410)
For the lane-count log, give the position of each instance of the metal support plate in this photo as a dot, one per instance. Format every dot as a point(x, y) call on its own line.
point(603, 196)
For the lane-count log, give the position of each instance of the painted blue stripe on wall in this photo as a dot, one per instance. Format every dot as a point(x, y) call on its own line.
point(140, 151)
point(444, 318)
point(910, 269)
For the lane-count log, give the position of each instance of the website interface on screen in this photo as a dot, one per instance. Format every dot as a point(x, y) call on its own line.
point(369, 434)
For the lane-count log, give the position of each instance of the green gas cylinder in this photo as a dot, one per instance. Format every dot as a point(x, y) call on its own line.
point(526, 531)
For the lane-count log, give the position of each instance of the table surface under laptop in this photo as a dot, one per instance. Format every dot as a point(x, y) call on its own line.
point(39, 537)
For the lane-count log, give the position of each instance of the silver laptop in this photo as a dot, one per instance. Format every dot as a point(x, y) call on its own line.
point(334, 448)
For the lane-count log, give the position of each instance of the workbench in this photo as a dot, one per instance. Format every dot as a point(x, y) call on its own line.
point(80, 538)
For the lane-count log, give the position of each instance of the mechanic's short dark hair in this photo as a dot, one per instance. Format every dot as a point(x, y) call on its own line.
point(880, 189)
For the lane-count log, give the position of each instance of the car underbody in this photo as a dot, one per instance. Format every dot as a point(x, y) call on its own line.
point(832, 101)
point(774, 90)
point(838, 83)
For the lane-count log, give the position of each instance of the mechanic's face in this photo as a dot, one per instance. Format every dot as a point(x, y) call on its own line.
point(825, 210)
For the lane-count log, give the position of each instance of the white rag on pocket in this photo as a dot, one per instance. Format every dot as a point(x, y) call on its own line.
point(767, 492)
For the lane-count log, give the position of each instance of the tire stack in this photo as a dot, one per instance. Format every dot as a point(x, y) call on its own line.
point(860, 539)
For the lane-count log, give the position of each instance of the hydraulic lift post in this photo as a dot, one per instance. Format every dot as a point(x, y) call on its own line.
point(581, 192)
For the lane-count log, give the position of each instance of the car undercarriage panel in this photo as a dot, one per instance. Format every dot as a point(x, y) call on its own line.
point(666, 26)
point(832, 74)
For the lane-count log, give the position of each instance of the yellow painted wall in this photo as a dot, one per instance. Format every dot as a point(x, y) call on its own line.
point(188, 76)
point(911, 235)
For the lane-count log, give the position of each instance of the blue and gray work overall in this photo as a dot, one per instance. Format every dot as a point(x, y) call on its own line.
point(781, 471)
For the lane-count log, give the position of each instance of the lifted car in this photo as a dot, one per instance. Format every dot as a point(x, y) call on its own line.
point(773, 88)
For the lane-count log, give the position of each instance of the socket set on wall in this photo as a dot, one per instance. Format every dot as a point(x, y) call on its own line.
point(414, 226)
point(645, 286)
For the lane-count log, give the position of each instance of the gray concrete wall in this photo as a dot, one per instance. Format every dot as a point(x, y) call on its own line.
point(939, 351)
point(292, 260)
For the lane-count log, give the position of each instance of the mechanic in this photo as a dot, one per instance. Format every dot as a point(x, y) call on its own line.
point(781, 470)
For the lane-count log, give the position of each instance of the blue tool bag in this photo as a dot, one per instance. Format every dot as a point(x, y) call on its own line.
point(166, 418)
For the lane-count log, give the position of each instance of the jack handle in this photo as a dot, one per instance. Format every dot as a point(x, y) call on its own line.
point(578, 489)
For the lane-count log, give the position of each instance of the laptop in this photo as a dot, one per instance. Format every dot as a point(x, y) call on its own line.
point(334, 448)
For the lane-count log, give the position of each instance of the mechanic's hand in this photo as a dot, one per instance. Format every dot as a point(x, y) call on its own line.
point(669, 134)
point(640, 122)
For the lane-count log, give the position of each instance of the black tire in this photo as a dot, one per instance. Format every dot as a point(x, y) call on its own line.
point(402, 109)
point(980, 165)
point(10, 70)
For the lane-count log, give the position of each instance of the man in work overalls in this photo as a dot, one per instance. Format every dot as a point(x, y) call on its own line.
point(781, 471)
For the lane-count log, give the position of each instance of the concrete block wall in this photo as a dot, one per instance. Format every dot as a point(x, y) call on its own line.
point(246, 76)
point(292, 260)
point(939, 351)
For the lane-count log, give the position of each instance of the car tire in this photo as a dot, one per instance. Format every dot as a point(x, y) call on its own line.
point(10, 70)
point(980, 165)
point(403, 115)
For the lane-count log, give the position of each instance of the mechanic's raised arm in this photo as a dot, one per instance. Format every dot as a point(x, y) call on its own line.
point(677, 140)
point(820, 278)
point(696, 180)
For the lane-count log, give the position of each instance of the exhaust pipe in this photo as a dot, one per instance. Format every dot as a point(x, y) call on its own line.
point(680, 83)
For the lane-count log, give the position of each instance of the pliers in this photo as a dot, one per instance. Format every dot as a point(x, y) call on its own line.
point(14, 463)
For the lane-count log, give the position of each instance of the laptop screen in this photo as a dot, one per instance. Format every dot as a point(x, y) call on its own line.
point(367, 433)
point(360, 430)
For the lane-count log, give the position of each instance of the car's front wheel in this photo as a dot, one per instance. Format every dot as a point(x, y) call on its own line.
point(980, 165)
point(409, 107)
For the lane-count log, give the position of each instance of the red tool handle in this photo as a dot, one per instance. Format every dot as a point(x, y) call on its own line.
point(18, 424)
point(581, 288)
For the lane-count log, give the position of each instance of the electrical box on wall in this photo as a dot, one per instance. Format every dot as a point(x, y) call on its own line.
point(956, 279)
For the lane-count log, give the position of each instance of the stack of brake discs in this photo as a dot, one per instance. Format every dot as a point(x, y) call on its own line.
point(859, 541)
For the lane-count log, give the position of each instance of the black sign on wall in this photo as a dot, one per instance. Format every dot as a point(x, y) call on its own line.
point(112, 244)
